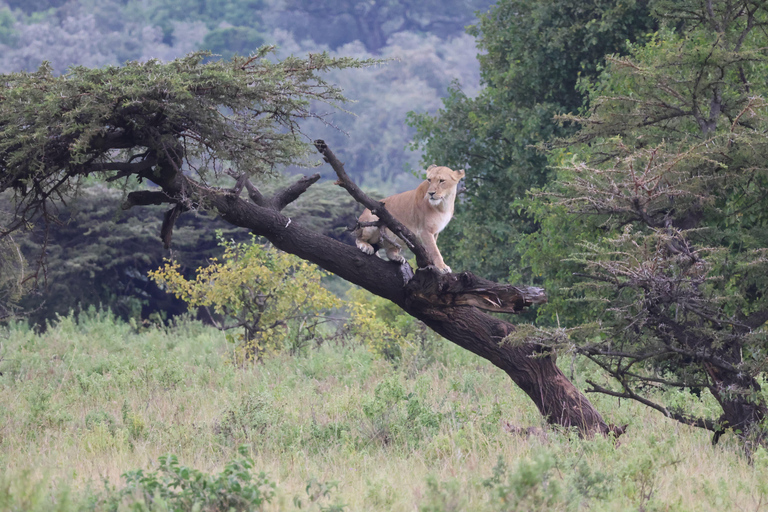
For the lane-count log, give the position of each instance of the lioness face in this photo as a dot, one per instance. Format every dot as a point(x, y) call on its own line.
point(442, 184)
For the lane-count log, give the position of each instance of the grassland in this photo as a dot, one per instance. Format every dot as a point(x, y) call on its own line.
point(90, 400)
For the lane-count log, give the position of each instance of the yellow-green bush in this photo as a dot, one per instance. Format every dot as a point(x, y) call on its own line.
point(275, 297)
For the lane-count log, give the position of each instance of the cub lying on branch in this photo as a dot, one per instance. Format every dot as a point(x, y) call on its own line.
point(425, 211)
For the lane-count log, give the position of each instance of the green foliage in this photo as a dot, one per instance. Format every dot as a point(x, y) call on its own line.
point(13, 268)
point(532, 56)
point(530, 487)
point(442, 497)
point(7, 32)
point(336, 22)
point(100, 257)
point(248, 420)
point(666, 242)
point(317, 493)
point(180, 488)
point(155, 118)
point(83, 107)
point(240, 13)
point(396, 417)
point(30, 6)
point(277, 298)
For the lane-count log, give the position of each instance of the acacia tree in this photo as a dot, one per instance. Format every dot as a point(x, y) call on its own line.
point(172, 126)
point(669, 191)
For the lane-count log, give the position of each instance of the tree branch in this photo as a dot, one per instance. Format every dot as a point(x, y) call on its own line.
point(682, 418)
point(169, 219)
point(466, 289)
point(124, 168)
point(290, 194)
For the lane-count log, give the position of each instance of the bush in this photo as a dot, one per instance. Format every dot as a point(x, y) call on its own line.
point(276, 298)
point(179, 488)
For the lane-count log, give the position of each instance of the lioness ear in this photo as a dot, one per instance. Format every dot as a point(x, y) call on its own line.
point(459, 173)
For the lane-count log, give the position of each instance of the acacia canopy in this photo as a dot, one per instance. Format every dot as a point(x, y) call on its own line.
point(150, 120)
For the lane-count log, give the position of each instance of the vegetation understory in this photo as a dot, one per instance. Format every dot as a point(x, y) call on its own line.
point(94, 400)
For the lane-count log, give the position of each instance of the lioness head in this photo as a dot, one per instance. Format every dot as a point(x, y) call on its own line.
point(442, 183)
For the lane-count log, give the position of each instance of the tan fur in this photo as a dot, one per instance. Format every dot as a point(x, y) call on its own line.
point(425, 211)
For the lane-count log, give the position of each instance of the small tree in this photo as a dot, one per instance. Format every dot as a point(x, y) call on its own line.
point(669, 241)
point(276, 298)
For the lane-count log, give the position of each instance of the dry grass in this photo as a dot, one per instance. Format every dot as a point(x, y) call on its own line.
point(84, 403)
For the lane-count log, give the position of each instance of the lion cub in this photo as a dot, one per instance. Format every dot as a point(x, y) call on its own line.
point(425, 211)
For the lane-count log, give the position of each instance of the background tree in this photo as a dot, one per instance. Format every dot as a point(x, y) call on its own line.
point(86, 32)
point(179, 125)
point(420, 67)
point(532, 54)
point(668, 191)
point(335, 22)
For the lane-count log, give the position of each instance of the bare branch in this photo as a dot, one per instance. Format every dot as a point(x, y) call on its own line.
point(376, 207)
point(290, 194)
point(169, 219)
point(675, 415)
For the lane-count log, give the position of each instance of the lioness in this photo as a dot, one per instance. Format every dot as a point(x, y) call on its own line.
point(425, 211)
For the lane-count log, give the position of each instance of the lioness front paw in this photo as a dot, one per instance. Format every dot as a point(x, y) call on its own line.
point(445, 270)
point(363, 246)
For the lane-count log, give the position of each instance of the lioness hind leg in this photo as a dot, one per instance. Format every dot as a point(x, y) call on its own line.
point(393, 254)
point(365, 237)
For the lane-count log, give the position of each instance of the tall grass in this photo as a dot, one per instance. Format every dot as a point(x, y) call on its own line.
point(91, 399)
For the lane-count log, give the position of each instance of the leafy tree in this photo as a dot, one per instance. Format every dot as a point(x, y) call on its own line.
point(336, 22)
point(12, 278)
point(230, 41)
point(99, 257)
point(7, 32)
point(418, 70)
point(177, 126)
point(532, 54)
point(669, 186)
point(242, 15)
point(31, 6)
point(276, 298)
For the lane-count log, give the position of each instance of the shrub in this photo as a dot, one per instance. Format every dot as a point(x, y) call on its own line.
point(276, 298)
point(394, 416)
point(179, 488)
